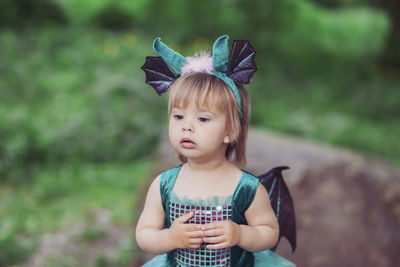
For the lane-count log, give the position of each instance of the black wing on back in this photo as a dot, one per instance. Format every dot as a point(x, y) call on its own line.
point(282, 203)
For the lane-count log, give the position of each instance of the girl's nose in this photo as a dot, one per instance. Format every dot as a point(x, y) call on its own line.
point(187, 127)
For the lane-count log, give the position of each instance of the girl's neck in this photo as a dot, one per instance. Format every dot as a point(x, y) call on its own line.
point(214, 178)
point(209, 166)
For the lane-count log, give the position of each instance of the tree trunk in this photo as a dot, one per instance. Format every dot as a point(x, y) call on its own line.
point(391, 54)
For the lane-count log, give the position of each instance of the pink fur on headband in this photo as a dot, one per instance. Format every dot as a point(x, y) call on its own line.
point(198, 63)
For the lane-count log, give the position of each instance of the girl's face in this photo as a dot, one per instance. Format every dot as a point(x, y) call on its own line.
point(198, 135)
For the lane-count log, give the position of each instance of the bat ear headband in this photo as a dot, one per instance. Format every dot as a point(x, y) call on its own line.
point(238, 68)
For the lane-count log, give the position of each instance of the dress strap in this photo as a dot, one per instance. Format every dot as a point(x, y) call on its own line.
point(243, 196)
point(167, 182)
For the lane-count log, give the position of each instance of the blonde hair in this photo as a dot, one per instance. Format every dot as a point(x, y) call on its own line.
point(208, 91)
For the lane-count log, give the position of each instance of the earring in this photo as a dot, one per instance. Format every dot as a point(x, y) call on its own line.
point(226, 140)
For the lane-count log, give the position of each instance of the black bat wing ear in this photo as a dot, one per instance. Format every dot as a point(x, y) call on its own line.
point(242, 64)
point(282, 204)
point(158, 75)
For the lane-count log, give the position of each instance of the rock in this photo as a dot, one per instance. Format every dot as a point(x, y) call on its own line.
point(347, 216)
point(347, 205)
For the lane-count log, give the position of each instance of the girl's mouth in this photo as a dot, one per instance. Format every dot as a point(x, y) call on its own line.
point(187, 143)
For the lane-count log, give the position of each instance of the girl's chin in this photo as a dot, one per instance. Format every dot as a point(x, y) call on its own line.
point(189, 153)
point(196, 154)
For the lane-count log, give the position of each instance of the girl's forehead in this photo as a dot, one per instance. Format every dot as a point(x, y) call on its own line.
point(198, 108)
point(204, 97)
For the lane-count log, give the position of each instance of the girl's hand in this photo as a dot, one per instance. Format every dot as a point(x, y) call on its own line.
point(222, 234)
point(183, 235)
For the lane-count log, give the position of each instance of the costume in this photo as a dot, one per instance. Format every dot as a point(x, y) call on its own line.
point(233, 69)
point(209, 210)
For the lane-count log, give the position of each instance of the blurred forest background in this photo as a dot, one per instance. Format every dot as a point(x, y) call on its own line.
point(79, 127)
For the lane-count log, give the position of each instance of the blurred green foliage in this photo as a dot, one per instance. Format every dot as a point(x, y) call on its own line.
point(63, 197)
point(78, 125)
point(342, 3)
point(13, 250)
point(114, 18)
point(71, 95)
point(21, 13)
point(77, 93)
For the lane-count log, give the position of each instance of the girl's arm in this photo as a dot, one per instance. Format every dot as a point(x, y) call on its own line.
point(261, 233)
point(150, 233)
point(149, 229)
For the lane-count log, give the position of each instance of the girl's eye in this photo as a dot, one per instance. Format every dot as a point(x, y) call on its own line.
point(203, 119)
point(178, 117)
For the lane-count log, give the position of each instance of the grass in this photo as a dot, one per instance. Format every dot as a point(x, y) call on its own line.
point(59, 197)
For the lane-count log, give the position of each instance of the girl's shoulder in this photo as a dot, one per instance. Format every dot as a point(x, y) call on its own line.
point(163, 180)
point(167, 178)
point(155, 184)
point(247, 188)
point(171, 172)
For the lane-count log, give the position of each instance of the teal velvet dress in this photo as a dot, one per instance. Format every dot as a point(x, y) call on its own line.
point(209, 210)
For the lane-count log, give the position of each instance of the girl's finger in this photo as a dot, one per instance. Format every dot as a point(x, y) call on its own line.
point(184, 218)
point(213, 225)
point(214, 240)
point(195, 234)
point(218, 245)
point(193, 227)
point(195, 241)
point(214, 232)
point(194, 246)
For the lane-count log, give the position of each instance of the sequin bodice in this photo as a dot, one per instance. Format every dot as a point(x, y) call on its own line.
point(206, 212)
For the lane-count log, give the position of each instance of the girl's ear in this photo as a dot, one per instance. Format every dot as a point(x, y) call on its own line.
point(227, 140)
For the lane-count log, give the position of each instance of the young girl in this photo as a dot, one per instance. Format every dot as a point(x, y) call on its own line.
point(207, 211)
